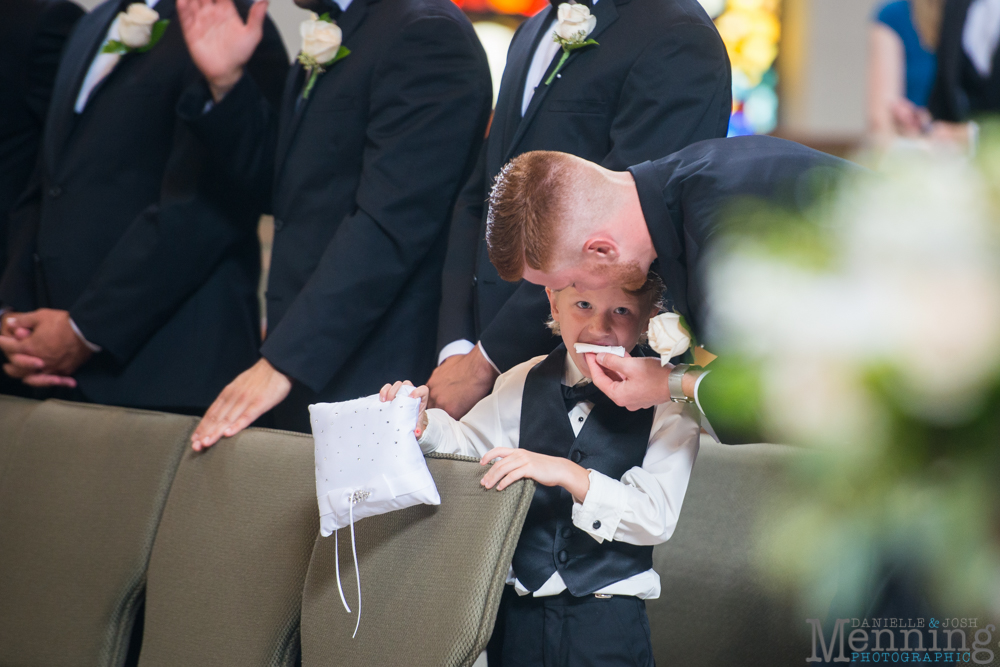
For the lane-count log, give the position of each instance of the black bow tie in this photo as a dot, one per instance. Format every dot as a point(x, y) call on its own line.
point(580, 392)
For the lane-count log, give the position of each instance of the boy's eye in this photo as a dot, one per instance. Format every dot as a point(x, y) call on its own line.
point(621, 311)
point(583, 305)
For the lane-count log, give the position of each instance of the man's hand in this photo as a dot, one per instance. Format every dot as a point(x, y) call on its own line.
point(515, 464)
point(219, 42)
point(41, 347)
point(253, 392)
point(633, 383)
point(388, 394)
point(460, 382)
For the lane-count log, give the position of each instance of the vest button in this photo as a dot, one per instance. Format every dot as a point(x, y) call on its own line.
point(55, 192)
point(576, 456)
point(563, 556)
point(597, 524)
point(567, 533)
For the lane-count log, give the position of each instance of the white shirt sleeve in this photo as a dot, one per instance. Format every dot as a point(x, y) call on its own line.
point(643, 507)
point(493, 422)
point(455, 347)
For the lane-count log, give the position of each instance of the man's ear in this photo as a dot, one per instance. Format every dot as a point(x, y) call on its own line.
point(602, 248)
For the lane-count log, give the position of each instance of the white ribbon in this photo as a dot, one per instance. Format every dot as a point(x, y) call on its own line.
point(355, 498)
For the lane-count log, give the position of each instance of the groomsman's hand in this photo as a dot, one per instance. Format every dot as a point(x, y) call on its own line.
point(219, 42)
point(251, 394)
point(641, 382)
point(43, 349)
point(460, 382)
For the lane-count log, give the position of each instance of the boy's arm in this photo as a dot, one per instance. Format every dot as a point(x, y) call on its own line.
point(643, 507)
point(491, 423)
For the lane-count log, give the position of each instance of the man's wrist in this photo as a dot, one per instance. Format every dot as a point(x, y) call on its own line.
point(221, 85)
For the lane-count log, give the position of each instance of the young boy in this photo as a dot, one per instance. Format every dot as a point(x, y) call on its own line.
point(610, 485)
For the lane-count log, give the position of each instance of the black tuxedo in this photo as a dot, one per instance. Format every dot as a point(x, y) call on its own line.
point(658, 81)
point(361, 178)
point(960, 92)
point(685, 198)
point(32, 36)
point(128, 228)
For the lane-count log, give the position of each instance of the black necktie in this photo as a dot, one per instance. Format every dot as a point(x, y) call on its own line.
point(581, 392)
point(333, 9)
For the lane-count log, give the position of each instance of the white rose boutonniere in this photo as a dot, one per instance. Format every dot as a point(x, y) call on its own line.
point(321, 48)
point(573, 26)
point(139, 30)
point(668, 337)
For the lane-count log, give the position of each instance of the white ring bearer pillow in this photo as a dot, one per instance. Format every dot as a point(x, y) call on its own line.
point(368, 462)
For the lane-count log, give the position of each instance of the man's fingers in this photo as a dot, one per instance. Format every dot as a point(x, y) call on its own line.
point(255, 19)
point(496, 452)
point(48, 380)
point(209, 430)
point(502, 469)
point(27, 362)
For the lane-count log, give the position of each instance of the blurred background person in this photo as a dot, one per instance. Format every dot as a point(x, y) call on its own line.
point(132, 280)
point(32, 36)
point(902, 66)
point(968, 78)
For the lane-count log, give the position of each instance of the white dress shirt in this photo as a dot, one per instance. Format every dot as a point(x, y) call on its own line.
point(981, 34)
point(102, 65)
point(640, 508)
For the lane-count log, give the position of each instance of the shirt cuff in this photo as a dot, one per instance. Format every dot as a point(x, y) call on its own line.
point(90, 346)
point(482, 350)
point(432, 435)
point(455, 347)
point(601, 512)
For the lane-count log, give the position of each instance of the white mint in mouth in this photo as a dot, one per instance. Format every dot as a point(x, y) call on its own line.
point(583, 348)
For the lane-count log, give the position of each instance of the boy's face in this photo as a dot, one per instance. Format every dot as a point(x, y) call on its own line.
point(608, 316)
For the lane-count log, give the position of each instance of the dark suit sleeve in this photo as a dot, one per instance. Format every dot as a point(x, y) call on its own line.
point(428, 109)
point(241, 131)
point(18, 231)
point(172, 247)
point(678, 92)
point(947, 101)
point(53, 31)
point(456, 320)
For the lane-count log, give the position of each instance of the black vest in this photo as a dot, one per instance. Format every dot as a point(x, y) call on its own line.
point(612, 441)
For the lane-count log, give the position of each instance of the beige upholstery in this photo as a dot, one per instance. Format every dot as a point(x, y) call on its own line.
point(226, 575)
point(13, 413)
point(716, 608)
point(80, 499)
point(431, 577)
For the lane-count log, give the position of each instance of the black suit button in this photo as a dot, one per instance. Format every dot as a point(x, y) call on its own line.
point(563, 556)
point(576, 456)
point(597, 524)
point(475, 279)
point(567, 533)
point(55, 191)
point(279, 224)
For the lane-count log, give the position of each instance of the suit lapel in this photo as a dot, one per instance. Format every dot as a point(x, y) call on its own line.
point(519, 64)
point(606, 14)
point(293, 109)
point(76, 60)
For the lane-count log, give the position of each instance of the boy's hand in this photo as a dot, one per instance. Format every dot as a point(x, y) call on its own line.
point(515, 464)
point(389, 392)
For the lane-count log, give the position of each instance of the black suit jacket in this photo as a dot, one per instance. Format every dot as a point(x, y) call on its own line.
point(687, 199)
point(361, 178)
point(32, 36)
point(658, 81)
point(949, 100)
point(128, 228)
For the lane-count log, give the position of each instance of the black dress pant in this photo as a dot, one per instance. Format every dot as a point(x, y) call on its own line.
point(567, 631)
